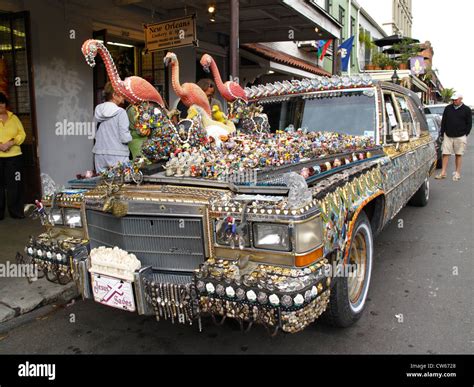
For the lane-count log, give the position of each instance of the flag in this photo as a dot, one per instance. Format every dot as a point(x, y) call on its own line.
point(345, 50)
point(325, 48)
point(319, 47)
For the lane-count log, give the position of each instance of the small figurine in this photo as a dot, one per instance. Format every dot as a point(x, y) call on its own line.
point(217, 114)
point(39, 208)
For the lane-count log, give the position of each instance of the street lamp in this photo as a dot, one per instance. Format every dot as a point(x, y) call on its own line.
point(395, 78)
point(212, 12)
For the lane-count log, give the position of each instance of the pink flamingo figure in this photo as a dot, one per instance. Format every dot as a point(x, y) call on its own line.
point(189, 93)
point(134, 89)
point(229, 90)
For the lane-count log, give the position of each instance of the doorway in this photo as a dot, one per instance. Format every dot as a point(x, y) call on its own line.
point(16, 81)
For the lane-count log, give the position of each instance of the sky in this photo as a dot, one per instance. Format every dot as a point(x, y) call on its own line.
point(449, 26)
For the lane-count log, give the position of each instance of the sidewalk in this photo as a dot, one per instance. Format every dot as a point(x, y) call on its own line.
point(17, 295)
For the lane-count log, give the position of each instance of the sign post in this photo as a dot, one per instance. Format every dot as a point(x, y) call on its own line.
point(171, 34)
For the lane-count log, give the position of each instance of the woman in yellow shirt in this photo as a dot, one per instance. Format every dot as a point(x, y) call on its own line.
point(12, 136)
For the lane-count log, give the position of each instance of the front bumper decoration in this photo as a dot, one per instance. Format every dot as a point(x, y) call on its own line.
point(114, 263)
point(53, 257)
point(175, 302)
point(276, 297)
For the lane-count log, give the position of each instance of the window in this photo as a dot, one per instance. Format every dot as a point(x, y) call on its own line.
point(342, 14)
point(351, 113)
point(353, 22)
point(405, 113)
point(328, 5)
point(391, 121)
point(367, 50)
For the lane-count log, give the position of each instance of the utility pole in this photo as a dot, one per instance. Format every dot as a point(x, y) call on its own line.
point(234, 38)
point(349, 26)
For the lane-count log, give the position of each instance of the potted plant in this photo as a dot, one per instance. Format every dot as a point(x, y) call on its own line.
point(366, 40)
point(379, 60)
point(406, 49)
point(391, 64)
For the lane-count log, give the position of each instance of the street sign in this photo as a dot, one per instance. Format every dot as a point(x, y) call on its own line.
point(171, 34)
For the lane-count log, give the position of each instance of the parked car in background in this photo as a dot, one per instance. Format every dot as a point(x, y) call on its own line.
point(435, 109)
point(434, 127)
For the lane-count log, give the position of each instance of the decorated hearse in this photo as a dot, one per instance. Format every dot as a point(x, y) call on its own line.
point(265, 214)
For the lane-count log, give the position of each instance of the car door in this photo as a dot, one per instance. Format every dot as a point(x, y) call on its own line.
point(409, 162)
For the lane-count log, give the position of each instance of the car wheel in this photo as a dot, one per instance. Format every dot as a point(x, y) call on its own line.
point(349, 293)
point(422, 196)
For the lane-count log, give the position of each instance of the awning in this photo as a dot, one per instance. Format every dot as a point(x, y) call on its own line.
point(281, 57)
point(393, 39)
point(420, 85)
point(259, 20)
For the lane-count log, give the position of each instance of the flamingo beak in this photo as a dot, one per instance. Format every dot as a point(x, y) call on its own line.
point(206, 68)
point(166, 61)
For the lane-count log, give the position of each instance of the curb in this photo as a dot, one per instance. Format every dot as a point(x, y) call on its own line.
point(19, 298)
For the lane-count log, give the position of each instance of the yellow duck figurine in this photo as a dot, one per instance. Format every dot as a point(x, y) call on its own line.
point(218, 114)
point(219, 131)
point(207, 121)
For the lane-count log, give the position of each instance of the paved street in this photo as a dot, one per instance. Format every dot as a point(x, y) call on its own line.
point(413, 278)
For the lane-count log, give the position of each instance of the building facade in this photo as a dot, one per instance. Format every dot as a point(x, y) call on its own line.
point(355, 21)
point(402, 17)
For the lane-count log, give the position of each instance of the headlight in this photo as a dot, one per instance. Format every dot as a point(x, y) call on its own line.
point(271, 236)
point(308, 235)
point(72, 217)
point(230, 232)
point(57, 216)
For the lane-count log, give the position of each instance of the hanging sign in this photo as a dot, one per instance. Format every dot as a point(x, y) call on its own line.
point(417, 65)
point(171, 34)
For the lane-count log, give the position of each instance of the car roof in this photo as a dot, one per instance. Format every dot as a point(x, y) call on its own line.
point(437, 105)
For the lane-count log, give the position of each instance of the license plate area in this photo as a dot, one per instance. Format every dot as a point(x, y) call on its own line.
point(113, 292)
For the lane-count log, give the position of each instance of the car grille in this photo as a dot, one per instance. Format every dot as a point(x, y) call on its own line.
point(167, 243)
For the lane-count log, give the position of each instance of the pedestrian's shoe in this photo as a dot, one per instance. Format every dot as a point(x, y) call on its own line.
point(440, 176)
point(456, 176)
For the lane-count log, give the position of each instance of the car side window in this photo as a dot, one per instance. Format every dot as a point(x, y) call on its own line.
point(419, 127)
point(391, 115)
point(406, 116)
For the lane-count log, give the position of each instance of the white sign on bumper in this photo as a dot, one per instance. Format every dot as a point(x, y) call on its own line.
point(113, 292)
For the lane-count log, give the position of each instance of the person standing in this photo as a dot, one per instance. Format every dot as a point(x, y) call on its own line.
point(112, 134)
point(209, 87)
point(455, 127)
point(12, 136)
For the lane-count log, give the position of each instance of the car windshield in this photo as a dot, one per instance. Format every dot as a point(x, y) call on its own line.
point(348, 112)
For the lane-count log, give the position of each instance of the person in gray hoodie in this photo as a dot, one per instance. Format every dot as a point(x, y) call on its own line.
point(113, 134)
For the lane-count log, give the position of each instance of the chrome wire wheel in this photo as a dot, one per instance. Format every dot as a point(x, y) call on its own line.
point(360, 261)
point(427, 189)
point(350, 288)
